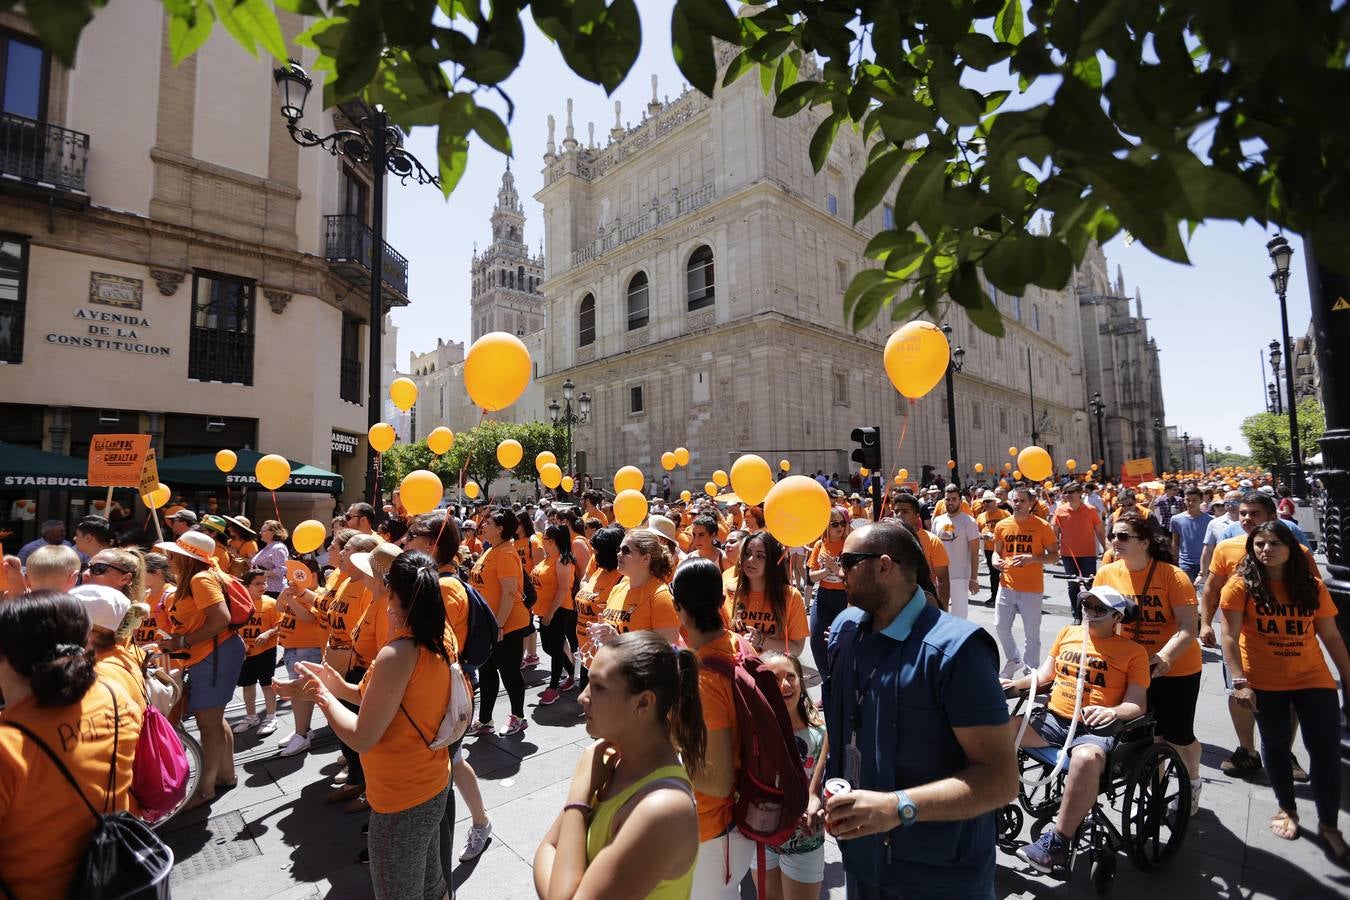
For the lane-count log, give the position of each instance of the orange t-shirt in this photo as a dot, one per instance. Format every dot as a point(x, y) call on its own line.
point(456, 601)
point(987, 520)
point(245, 550)
point(581, 551)
point(185, 611)
point(1077, 530)
point(124, 665)
point(221, 553)
point(44, 827)
point(1278, 643)
point(941, 508)
point(636, 609)
point(524, 550)
point(545, 579)
point(497, 563)
point(400, 771)
point(294, 634)
point(719, 713)
point(1229, 552)
point(1169, 588)
point(1040, 510)
point(1113, 663)
point(148, 631)
point(342, 609)
point(591, 599)
point(1139, 508)
point(933, 551)
point(753, 610)
point(264, 617)
point(595, 514)
point(1032, 535)
point(826, 548)
point(372, 632)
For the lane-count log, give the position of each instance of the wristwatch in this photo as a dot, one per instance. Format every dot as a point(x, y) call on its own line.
point(905, 808)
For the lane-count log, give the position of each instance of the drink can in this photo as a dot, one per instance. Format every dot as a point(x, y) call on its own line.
point(835, 786)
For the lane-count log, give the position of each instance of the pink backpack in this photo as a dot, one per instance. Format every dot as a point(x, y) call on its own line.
point(159, 774)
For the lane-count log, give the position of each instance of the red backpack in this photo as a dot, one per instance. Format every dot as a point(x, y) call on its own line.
point(238, 599)
point(770, 793)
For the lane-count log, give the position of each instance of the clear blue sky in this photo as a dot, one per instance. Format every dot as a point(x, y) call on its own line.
point(1211, 320)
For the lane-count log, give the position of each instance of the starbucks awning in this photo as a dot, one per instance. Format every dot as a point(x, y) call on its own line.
point(200, 471)
point(26, 468)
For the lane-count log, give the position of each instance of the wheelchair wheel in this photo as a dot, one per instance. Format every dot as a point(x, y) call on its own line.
point(1043, 800)
point(1157, 807)
point(1009, 824)
point(1104, 872)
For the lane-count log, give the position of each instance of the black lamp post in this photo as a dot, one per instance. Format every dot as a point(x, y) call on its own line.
point(1099, 410)
point(1280, 254)
point(1163, 461)
point(954, 365)
point(563, 415)
point(1275, 357)
point(376, 143)
point(1186, 451)
point(1272, 396)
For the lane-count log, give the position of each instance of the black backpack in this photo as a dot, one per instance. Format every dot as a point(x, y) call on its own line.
point(125, 859)
point(481, 638)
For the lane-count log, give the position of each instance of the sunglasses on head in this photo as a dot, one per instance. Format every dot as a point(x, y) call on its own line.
point(848, 560)
point(102, 568)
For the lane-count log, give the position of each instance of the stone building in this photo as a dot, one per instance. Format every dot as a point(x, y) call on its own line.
point(694, 280)
point(172, 263)
point(505, 279)
point(1121, 362)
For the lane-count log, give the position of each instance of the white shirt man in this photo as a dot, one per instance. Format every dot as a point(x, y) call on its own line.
point(1094, 499)
point(961, 536)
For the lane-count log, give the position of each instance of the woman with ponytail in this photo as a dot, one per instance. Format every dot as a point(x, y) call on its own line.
point(48, 680)
point(765, 607)
point(399, 705)
point(630, 824)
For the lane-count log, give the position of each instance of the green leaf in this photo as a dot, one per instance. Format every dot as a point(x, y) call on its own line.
point(863, 281)
point(919, 198)
point(986, 316)
point(303, 7)
point(823, 139)
point(452, 143)
point(738, 66)
point(713, 17)
point(795, 98)
point(186, 35)
point(876, 180)
point(491, 129)
point(1013, 262)
point(1008, 24)
point(958, 105)
point(252, 22)
point(1088, 71)
point(59, 24)
point(693, 52)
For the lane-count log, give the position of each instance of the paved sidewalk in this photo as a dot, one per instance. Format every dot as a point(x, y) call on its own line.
point(275, 837)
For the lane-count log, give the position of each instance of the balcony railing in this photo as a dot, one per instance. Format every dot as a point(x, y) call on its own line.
point(658, 214)
point(349, 380)
point(349, 244)
point(215, 354)
point(42, 154)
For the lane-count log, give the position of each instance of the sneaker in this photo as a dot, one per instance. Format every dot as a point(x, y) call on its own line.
point(360, 804)
point(345, 792)
point(1049, 853)
point(339, 779)
point(989, 603)
point(477, 841)
point(514, 725)
point(297, 744)
point(567, 684)
point(1243, 762)
point(1300, 774)
point(530, 661)
point(364, 856)
point(479, 729)
point(267, 726)
point(244, 724)
point(1011, 669)
point(548, 696)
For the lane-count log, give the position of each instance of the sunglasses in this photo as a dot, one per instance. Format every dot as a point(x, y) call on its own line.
point(1096, 609)
point(1122, 536)
point(625, 550)
point(848, 560)
point(350, 516)
point(102, 569)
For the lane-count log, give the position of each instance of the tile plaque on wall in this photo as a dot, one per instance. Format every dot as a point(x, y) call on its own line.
point(115, 290)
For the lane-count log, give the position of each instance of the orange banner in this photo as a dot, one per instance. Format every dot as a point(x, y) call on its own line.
point(116, 460)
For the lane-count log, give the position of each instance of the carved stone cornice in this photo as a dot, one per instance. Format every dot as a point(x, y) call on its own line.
point(167, 281)
point(277, 299)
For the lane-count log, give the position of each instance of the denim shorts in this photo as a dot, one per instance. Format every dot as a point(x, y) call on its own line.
point(1053, 729)
point(298, 655)
point(211, 682)
point(803, 868)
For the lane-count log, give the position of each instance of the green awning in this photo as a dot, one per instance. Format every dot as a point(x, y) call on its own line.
point(24, 468)
point(200, 471)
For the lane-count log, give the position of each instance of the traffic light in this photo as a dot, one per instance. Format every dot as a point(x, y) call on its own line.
point(868, 454)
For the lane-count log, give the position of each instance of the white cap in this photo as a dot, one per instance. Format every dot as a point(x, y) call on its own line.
point(105, 606)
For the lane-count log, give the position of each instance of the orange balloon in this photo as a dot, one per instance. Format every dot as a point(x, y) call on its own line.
point(951, 464)
point(630, 508)
point(668, 461)
point(903, 474)
point(550, 475)
point(1017, 474)
point(979, 467)
point(751, 478)
point(681, 456)
point(710, 489)
point(1036, 463)
point(496, 370)
point(226, 460)
point(381, 436)
point(544, 457)
point(272, 471)
point(720, 478)
point(916, 358)
point(1012, 451)
point(420, 491)
point(440, 440)
point(629, 478)
point(797, 510)
point(1070, 464)
point(509, 453)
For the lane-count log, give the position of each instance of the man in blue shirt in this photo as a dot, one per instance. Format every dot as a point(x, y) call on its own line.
point(1188, 529)
point(53, 533)
point(917, 726)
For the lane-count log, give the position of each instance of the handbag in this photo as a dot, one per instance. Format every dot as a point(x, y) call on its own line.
point(339, 657)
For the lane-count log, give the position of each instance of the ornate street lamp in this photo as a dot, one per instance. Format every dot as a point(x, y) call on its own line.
point(376, 143)
point(1099, 410)
point(954, 365)
point(1275, 357)
point(1280, 254)
point(561, 414)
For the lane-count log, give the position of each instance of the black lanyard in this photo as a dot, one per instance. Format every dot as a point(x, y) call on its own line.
point(860, 690)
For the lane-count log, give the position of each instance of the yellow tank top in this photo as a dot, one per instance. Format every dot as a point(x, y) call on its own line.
point(598, 834)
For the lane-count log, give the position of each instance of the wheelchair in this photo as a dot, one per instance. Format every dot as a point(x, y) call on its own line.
point(1144, 784)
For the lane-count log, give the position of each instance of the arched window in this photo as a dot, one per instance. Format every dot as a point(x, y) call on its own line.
point(699, 286)
point(639, 308)
point(586, 322)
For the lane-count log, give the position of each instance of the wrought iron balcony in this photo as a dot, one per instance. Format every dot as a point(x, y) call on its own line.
point(349, 246)
point(41, 156)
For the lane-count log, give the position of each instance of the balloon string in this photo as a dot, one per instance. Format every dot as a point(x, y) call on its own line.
point(464, 469)
point(275, 507)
